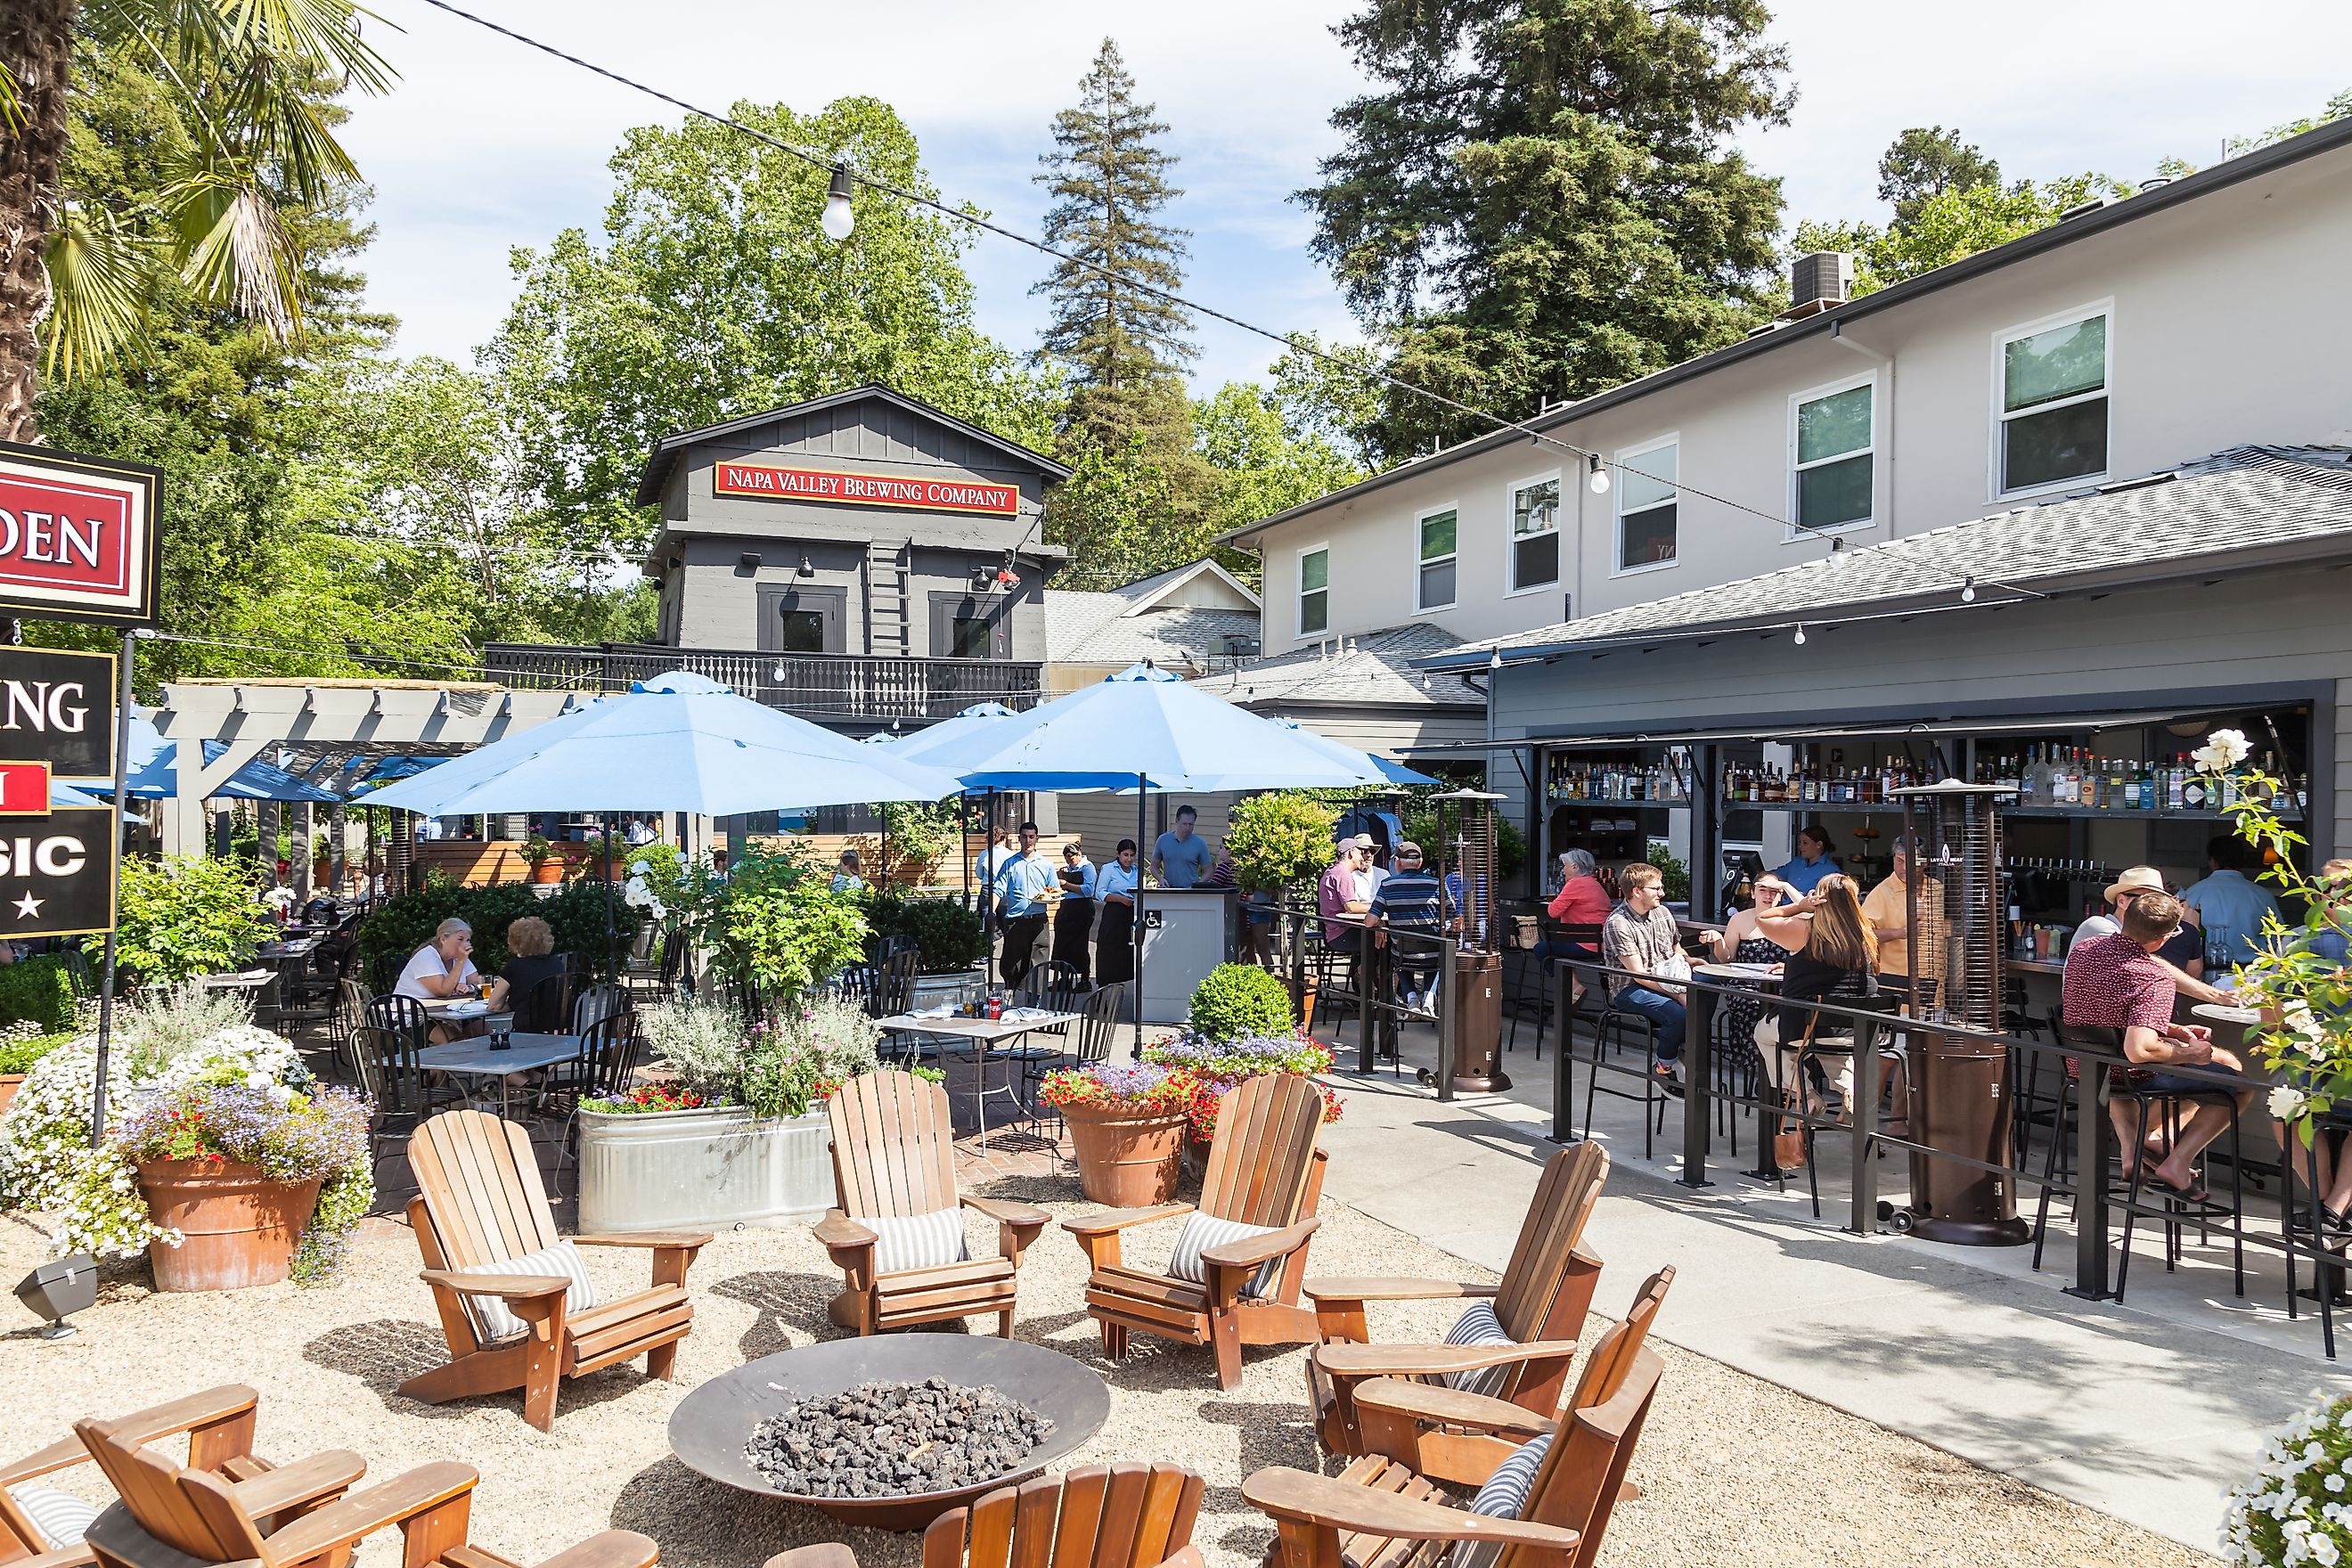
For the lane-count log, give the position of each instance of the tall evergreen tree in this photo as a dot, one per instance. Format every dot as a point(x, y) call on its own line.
point(1922, 164)
point(1123, 348)
point(1541, 200)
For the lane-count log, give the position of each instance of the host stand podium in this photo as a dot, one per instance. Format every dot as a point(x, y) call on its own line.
point(1187, 931)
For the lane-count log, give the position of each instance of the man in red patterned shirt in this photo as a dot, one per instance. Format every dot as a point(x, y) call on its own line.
point(2116, 983)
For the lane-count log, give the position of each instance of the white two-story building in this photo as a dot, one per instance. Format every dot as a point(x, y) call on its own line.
point(2085, 493)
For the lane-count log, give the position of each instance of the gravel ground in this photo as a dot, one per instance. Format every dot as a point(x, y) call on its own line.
point(1735, 1470)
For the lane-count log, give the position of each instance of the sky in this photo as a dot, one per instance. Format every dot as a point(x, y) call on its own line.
point(486, 145)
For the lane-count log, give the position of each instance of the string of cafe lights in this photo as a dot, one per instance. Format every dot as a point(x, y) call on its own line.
point(838, 220)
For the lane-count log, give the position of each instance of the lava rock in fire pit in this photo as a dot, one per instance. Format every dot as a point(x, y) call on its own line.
point(891, 1439)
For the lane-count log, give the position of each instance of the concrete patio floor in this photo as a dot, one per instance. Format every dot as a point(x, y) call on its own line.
point(2149, 1409)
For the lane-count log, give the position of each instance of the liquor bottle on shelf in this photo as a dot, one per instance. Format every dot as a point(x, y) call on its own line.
point(2196, 793)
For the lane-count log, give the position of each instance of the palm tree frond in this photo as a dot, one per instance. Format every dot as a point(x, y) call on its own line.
point(238, 250)
point(12, 102)
point(324, 30)
point(276, 125)
point(97, 281)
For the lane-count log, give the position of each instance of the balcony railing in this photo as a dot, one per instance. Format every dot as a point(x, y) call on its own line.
point(844, 690)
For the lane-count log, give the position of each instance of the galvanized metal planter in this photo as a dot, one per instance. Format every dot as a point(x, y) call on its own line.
point(665, 1169)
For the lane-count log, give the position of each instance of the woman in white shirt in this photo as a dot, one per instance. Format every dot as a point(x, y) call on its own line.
point(444, 967)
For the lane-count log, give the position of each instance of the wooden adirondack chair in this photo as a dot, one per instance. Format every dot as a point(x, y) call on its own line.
point(1540, 1301)
point(1264, 1170)
point(894, 1157)
point(219, 1428)
point(480, 1200)
point(1377, 1513)
point(1445, 1434)
point(1097, 1516)
point(170, 1517)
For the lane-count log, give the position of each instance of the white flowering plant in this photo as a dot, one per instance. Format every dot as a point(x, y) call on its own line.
point(2297, 1507)
point(89, 1191)
point(2302, 979)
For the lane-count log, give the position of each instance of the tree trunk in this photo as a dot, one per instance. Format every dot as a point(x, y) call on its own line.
point(36, 41)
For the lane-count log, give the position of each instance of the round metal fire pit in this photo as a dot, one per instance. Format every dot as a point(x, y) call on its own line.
point(711, 1425)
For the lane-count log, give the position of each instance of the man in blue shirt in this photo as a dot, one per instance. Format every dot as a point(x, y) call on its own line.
point(1410, 900)
point(1021, 887)
point(2230, 907)
point(1181, 858)
point(1813, 861)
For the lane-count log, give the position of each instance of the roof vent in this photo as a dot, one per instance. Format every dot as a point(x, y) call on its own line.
point(1772, 326)
point(2085, 209)
point(1822, 277)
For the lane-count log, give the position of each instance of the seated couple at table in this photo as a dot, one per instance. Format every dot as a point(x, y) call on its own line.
point(443, 968)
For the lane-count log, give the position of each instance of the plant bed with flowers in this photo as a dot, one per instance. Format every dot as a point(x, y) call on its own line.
point(739, 1137)
point(222, 1158)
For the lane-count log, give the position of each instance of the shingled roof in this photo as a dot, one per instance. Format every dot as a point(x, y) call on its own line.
point(2239, 509)
point(1376, 667)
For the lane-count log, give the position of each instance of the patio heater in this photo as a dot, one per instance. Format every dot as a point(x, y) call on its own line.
point(1959, 1081)
point(1465, 825)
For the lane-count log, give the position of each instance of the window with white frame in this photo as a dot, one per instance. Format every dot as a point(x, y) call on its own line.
point(1437, 531)
point(1535, 534)
point(1833, 456)
point(1648, 500)
point(1314, 591)
point(2052, 403)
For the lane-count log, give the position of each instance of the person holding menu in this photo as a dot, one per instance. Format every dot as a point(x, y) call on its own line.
point(1073, 918)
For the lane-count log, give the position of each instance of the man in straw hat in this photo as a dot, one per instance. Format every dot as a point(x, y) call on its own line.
point(2186, 946)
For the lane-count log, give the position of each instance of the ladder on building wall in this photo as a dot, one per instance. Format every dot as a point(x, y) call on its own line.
point(885, 597)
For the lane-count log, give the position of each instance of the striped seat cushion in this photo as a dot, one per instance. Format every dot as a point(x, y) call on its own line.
point(1200, 1234)
point(1479, 1326)
point(1505, 1496)
point(493, 1323)
point(60, 1516)
point(907, 1241)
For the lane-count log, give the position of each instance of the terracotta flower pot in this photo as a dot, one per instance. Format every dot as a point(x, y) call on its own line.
point(1126, 1159)
point(547, 872)
point(240, 1226)
point(10, 1082)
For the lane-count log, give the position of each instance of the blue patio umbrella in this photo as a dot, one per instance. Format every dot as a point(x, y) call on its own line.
point(679, 742)
point(66, 794)
point(947, 732)
point(1395, 772)
point(390, 770)
point(1143, 729)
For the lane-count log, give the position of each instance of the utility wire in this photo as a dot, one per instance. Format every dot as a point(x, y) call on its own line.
point(1297, 344)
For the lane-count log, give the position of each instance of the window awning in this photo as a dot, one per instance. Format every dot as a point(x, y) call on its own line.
point(1807, 730)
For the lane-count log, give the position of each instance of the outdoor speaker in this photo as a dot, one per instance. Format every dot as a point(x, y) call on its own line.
point(57, 1290)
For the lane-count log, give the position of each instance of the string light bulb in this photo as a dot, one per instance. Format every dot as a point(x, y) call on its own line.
point(1599, 479)
point(1968, 590)
point(1838, 554)
point(1494, 659)
point(838, 220)
point(1800, 633)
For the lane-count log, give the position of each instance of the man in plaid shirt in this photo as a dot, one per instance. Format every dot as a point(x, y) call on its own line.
point(2116, 983)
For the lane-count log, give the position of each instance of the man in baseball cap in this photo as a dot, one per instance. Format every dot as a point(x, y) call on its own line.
point(2184, 955)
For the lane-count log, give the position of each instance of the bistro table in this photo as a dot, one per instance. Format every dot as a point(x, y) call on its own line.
point(474, 1059)
point(985, 1033)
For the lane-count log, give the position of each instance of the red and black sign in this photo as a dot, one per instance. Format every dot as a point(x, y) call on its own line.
point(59, 708)
point(768, 483)
point(24, 789)
point(56, 873)
point(78, 537)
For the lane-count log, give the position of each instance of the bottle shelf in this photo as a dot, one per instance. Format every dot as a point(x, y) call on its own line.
point(1852, 809)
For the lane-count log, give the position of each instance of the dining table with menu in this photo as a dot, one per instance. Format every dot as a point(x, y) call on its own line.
point(482, 1058)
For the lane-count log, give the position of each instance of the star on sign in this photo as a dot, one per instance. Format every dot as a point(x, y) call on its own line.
point(29, 906)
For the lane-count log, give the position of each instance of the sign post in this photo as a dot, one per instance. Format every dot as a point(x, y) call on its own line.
point(80, 539)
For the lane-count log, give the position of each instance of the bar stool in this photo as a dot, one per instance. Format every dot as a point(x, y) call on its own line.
point(1611, 1027)
point(1813, 1050)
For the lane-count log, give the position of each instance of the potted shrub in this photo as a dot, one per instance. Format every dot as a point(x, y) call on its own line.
point(175, 1054)
point(741, 1138)
point(1279, 841)
point(1239, 1026)
point(947, 936)
point(183, 916)
point(232, 1165)
point(1127, 1129)
point(540, 856)
point(2292, 1509)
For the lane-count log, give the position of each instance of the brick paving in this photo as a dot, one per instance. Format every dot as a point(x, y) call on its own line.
point(1017, 1153)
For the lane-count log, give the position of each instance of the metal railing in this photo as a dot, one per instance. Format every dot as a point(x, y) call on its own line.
point(843, 688)
point(1368, 980)
point(2088, 1184)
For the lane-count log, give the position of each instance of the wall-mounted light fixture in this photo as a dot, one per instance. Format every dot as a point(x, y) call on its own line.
point(806, 570)
point(748, 560)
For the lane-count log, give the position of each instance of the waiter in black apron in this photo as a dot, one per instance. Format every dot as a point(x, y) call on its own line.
point(1074, 917)
point(1115, 885)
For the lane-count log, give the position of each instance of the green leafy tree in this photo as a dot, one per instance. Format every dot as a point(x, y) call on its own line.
point(1262, 466)
point(713, 293)
point(1128, 511)
point(1542, 201)
point(2336, 108)
point(253, 149)
point(1951, 226)
point(1279, 839)
point(1925, 162)
point(1121, 345)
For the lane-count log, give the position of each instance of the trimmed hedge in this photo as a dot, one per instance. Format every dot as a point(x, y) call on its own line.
point(406, 922)
point(38, 990)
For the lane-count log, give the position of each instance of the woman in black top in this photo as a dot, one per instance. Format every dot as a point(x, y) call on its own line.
point(1833, 952)
point(537, 1012)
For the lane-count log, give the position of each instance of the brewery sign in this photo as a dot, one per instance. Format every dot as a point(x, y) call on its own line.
point(78, 537)
point(58, 708)
point(767, 482)
point(57, 873)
